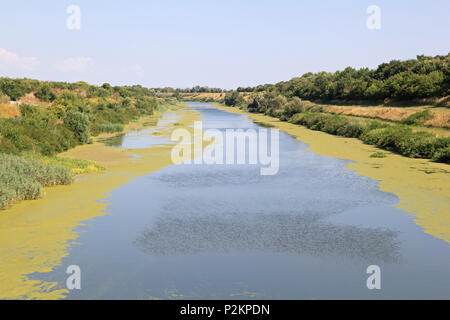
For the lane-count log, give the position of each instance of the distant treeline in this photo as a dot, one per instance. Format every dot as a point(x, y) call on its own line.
point(196, 89)
point(423, 77)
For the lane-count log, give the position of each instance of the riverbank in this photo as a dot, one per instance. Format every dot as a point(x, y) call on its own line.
point(36, 235)
point(421, 185)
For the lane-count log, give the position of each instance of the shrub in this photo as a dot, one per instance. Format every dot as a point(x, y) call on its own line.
point(378, 155)
point(233, 99)
point(332, 124)
point(405, 142)
point(45, 94)
point(442, 155)
point(79, 124)
point(23, 179)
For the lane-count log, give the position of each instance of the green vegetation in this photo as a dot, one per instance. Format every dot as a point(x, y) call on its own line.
point(406, 142)
point(45, 94)
point(79, 124)
point(77, 166)
point(418, 117)
point(396, 138)
point(424, 77)
point(23, 179)
point(110, 127)
point(378, 155)
point(74, 112)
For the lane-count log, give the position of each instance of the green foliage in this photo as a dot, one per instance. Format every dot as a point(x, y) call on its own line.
point(38, 130)
point(45, 94)
point(71, 100)
point(395, 138)
point(233, 99)
point(333, 124)
point(110, 127)
point(14, 88)
point(378, 155)
point(79, 124)
point(423, 77)
point(71, 118)
point(146, 105)
point(442, 155)
point(406, 142)
point(23, 179)
point(419, 117)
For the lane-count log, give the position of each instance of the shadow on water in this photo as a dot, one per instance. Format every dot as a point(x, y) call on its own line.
point(283, 233)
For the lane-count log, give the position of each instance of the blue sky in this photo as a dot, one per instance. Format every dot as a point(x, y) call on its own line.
point(210, 42)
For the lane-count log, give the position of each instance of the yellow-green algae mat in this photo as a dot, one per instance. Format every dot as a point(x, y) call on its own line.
point(422, 186)
point(36, 235)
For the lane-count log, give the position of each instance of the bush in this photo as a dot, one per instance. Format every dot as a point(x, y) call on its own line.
point(442, 155)
point(405, 142)
point(396, 138)
point(45, 94)
point(79, 124)
point(332, 124)
point(22, 179)
point(378, 155)
point(233, 99)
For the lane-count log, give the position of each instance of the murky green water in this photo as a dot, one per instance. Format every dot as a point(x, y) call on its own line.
point(225, 231)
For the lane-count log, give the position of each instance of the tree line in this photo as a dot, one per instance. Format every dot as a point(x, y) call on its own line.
point(423, 77)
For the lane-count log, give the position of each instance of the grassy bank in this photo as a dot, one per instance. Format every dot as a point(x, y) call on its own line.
point(400, 139)
point(61, 117)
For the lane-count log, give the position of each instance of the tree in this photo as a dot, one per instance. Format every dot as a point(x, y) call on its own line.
point(79, 124)
point(45, 94)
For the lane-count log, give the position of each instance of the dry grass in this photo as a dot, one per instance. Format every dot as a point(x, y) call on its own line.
point(30, 98)
point(441, 115)
point(383, 113)
point(9, 110)
point(441, 119)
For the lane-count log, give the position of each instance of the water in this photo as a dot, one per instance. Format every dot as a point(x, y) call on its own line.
point(225, 231)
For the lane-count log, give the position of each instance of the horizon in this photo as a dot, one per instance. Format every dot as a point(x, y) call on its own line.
point(219, 45)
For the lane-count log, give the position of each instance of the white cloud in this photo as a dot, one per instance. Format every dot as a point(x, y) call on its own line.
point(75, 64)
point(11, 60)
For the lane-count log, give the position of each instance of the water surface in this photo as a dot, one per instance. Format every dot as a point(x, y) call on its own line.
point(225, 231)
